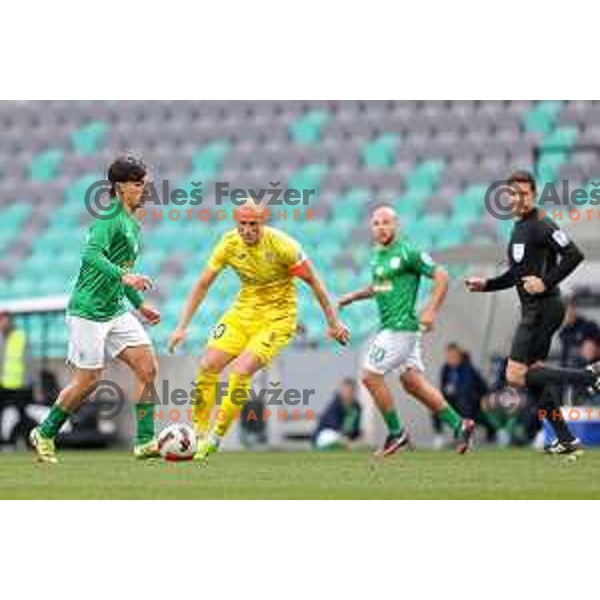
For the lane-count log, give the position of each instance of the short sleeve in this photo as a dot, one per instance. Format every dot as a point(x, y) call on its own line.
point(218, 258)
point(421, 262)
point(290, 252)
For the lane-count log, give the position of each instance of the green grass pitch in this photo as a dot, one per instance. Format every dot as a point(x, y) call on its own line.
point(493, 474)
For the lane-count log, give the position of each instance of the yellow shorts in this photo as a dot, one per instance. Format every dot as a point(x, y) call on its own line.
point(264, 338)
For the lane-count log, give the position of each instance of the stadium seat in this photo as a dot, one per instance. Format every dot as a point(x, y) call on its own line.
point(542, 117)
point(88, 138)
point(380, 152)
point(308, 128)
point(44, 166)
point(433, 161)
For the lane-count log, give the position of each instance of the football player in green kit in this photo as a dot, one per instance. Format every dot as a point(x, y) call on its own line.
point(397, 267)
point(99, 320)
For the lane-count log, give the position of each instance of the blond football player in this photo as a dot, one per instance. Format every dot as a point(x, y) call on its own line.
point(259, 324)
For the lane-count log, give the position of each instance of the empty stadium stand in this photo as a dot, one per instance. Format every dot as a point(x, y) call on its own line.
point(432, 160)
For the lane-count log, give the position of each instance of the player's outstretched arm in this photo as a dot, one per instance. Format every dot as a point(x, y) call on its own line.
point(190, 307)
point(97, 241)
point(351, 297)
point(495, 284)
point(335, 328)
point(436, 299)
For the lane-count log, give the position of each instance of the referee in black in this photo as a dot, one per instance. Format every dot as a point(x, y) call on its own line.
point(540, 256)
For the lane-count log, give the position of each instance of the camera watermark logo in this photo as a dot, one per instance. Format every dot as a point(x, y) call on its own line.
point(508, 400)
point(162, 194)
point(504, 199)
point(99, 203)
point(176, 404)
point(109, 397)
point(559, 200)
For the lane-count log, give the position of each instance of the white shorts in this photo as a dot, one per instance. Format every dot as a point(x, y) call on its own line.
point(90, 342)
point(394, 350)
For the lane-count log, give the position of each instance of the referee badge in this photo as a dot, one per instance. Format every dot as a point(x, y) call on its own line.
point(561, 238)
point(518, 252)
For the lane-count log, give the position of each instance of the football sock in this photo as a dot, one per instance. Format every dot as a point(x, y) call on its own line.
point(492, 420)
point(204, 400)
point(237, 395)
point(449, 416)
point(144, 423)
point(548, 400)
point(392, 421)
point(539, 377)
point(53, 422)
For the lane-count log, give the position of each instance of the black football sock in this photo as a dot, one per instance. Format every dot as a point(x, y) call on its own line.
point(549, 401)
point(539, 377)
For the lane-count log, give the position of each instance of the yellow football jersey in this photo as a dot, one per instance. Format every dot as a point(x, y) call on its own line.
point(265, 271)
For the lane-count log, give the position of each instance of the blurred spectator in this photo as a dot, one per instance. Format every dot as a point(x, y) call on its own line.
point(340, 423)
point(589, 352)
point(575, 331)
point(15, 389)
point(463, 387)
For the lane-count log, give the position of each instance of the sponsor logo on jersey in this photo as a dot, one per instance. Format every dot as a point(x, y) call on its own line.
point(218, 331)
point(395, 263)
point(518, 252)
point(383, 286)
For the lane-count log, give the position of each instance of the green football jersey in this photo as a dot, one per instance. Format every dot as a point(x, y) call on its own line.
point(396, 273)
point(110, 250)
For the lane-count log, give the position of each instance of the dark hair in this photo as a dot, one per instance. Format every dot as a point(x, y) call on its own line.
point(523, 177)
point(349, 381)
point(454, 346)
point(125, 168)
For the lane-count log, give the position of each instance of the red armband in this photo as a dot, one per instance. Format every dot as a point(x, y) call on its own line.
point(300, 269)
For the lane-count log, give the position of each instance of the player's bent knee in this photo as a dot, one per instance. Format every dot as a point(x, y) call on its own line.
point(86, 378)
point(244, 369)
point(411, 381)
point(148, 370)
point(370, 379)
point(213, 361)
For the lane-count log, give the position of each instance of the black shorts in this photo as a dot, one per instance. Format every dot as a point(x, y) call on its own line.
point(533, 337)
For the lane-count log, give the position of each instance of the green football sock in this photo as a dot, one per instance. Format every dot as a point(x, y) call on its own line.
point(53, 422)
point(451, 418)
point(144, 423)
point(392, 421)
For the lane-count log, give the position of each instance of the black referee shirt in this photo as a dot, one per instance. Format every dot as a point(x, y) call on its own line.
point(537, 247)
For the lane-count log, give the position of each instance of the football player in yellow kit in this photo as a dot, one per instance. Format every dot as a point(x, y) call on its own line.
point(260, 323)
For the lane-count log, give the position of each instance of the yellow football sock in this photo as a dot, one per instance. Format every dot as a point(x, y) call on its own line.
point(233, 403)
point(204, 400)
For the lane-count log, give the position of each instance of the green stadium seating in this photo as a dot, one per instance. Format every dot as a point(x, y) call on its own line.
point(308, 177)
point(380, 152)
point(333, 242)
point(542, 117)
point(563, 137)
point(88, 139)
point(426, 175)
point(209, 159)
point(308, 128)
point(45, 166)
